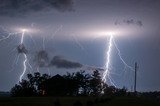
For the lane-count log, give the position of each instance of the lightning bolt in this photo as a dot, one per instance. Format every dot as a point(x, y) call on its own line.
point(106, 74)
point(24, 67)
point(25, 58)
point(22, 37)
point(120, 57)
point(5, 37)
point(25, 61)
point(8, 36)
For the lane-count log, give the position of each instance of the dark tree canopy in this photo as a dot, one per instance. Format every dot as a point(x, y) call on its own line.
point(75, 84)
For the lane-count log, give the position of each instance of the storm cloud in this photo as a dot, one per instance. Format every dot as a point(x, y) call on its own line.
point(60, 62)
point(133, 22)
point(130, 22)
point(21, 7)
point(42, 59)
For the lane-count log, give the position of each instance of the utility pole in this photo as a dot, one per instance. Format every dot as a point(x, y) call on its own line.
point(135, 77)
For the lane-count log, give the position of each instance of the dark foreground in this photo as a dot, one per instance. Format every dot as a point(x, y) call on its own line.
point(70, 101)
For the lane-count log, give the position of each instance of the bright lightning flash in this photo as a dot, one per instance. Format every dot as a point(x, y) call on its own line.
point(108, 60)
point(21, 48)
point(106, 74)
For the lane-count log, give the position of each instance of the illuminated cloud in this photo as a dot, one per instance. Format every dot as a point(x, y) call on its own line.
point(60, 62)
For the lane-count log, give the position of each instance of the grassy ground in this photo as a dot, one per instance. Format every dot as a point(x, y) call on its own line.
point(69, 101)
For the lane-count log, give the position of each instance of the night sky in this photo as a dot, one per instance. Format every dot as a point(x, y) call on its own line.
point(71, 35)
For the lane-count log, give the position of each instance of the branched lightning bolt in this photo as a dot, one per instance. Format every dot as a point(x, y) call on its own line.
point(25, 61)
point(24, 67)
point(106, 74)
point(7, 37)
point(4, 38)
point(120, 56)
point(25, 58)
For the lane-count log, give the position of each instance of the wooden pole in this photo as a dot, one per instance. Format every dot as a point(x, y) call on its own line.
point(135, 78)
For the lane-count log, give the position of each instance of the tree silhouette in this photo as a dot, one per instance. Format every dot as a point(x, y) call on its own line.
point(83, 82)
point(55, 86)
point(23, 89)
point(31, 87)
point(75, 84)
point(96, 84)
point(72, 84)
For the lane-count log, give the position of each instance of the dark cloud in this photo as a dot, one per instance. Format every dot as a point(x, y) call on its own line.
point(19, 7)
point(42, 59)
point(61, 5)
point(59, 62)
point(139, 23)
point(133, 22)
point(130, 22)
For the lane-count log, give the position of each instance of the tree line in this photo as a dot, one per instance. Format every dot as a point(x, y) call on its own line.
point(71, 84)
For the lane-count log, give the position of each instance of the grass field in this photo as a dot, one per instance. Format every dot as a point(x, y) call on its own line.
point(69, 101)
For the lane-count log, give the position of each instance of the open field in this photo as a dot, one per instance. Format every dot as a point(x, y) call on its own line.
point(69, 101)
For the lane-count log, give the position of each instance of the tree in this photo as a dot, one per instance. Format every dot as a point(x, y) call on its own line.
point(74, 84)
point(109, 90)
point(23, 89)
point(96, 84)
point(56, 86)
point(121, 92)
point(33, 86)
point(83, 81)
